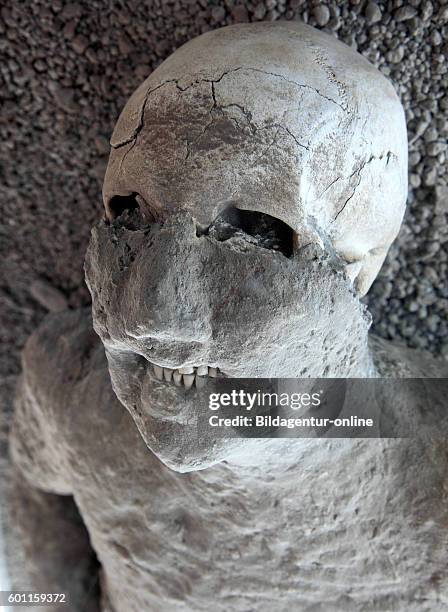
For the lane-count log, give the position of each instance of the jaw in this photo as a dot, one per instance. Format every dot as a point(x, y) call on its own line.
point(169, 404)
point(170, 415)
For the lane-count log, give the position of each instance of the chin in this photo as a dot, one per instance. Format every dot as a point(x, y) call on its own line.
point(172, 417)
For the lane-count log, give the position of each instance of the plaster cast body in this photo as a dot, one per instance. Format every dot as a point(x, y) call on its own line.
point(325, 525)
point(288, 124)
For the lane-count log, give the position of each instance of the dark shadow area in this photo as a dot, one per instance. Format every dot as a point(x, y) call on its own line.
point(58, 554)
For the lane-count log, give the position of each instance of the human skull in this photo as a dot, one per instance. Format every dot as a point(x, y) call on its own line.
point(256, 181)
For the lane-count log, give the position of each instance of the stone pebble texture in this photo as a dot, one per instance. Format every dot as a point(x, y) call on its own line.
point(67, 69)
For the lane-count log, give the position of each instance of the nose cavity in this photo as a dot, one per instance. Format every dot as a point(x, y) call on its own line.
point(255, 227)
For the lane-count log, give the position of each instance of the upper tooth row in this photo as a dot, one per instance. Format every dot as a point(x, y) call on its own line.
point(202, 370)
point(186, 375)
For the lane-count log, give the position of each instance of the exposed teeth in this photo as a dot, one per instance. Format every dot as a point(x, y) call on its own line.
point(186, 376)
point(188, 380)
point(158, 371)
point(186, 370)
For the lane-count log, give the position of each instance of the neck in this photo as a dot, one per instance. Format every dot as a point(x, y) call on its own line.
point(350, 355)
point(340, 353)
point(359, 362)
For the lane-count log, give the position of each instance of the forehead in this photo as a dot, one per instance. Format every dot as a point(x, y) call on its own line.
point(296, 53)
point(215, 143)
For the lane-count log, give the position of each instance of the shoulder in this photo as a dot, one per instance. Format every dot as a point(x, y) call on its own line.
point(57, 357)
point(60, 348)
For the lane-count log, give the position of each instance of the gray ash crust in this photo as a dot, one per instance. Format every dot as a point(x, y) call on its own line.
point(67, 70)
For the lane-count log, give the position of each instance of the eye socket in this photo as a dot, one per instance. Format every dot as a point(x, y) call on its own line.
point(118, 204)
point(258, 228)
point(129, 211)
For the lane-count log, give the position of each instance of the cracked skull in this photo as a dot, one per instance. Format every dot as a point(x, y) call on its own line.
point(256, 181)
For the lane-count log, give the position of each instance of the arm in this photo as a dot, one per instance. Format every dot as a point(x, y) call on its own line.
point(36, 450)
point(55, 361)
point(59, 557)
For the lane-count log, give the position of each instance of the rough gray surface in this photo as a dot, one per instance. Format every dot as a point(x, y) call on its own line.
point(170, 294)
point(35, 554)
point(72, 97)
point(70, 68)
point(322, 525)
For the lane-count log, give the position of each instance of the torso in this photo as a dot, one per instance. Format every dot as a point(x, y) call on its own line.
point(318, 534)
